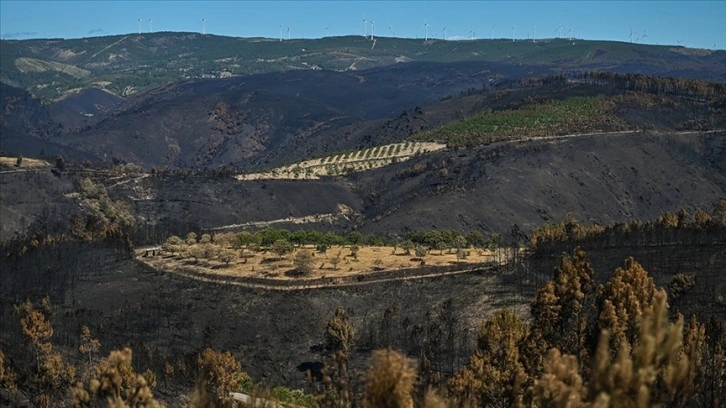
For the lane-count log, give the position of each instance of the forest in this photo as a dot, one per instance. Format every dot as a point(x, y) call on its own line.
point(592, 339)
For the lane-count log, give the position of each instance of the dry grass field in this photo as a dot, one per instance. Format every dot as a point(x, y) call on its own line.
point(337, 261)
point(27, 163)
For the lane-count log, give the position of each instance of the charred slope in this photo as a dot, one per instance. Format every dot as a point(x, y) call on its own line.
point(28, 128)
point(599, 178)
point(82, 109)
point(596, 178)
point(209, 202)
point(35, 201)
point(25, 124)
point(267, 119)
point(167, 318)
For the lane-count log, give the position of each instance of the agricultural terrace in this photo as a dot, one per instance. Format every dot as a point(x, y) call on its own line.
point(271, 256)
point(558, 117)
point(344, 163)
point(21, 162)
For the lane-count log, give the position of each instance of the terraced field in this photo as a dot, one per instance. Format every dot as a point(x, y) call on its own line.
point(344, 163)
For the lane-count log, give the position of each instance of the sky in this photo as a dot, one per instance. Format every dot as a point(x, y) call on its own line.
point(697, 24)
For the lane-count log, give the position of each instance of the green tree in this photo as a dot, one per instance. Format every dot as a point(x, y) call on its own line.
point(303, 262)
point(281, 247)
point(245, 238)
point(354, 237)
point(475, 238)
point(421, 251)
point(407, 246)
point(172, 245)
point(459, 242)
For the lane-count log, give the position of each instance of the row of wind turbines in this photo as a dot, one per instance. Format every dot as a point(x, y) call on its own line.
point(560, 32)
point(151, 25)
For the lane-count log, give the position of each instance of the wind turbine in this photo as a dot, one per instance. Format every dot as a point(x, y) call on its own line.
point(534, 34)
point(139, 26)
point(514, 33)
point(390, 30)
point(644, 36)
point(288, 33)
point(365, 26)
point(491, 33)
point(444, 30)
point(151, 27)
point(327, 31)
point(631, 34)
point(426, 30)
point(373, 29)
point(279, 28)
point(204, 23)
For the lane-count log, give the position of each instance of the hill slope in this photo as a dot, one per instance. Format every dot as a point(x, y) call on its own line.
point(128, 64)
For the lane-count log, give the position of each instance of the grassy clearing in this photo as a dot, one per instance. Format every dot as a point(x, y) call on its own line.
point(344, 163)
point(25, 64)
point(337, 261)
point(558, 117)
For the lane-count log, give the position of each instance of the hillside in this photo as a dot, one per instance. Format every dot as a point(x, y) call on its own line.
point(115, 147)
point(602, 178)
point(128, 64)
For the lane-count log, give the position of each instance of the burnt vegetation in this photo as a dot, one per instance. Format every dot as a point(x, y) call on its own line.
point(595, 200)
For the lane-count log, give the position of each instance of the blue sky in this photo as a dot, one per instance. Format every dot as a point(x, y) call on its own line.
point(691, 23)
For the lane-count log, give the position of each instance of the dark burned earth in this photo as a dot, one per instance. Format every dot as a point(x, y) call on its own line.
point(648, 151)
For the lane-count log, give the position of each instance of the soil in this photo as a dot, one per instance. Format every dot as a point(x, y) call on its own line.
point(266, 264)
point(166, 317)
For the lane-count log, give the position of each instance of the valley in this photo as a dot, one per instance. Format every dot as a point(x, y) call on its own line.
point(302, 204)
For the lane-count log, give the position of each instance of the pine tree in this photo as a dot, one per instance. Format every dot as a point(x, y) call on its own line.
point(562, 308)
point(622, 302)
point(116, 384)
point(495, 374)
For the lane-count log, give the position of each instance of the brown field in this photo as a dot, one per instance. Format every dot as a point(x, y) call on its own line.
point(266, 264)
point(28, 163)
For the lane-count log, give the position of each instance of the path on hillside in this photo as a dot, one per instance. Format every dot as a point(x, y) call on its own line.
point(306, 219)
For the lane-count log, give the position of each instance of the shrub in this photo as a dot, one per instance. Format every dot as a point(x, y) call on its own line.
point(303, 262)
point(389, 381)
